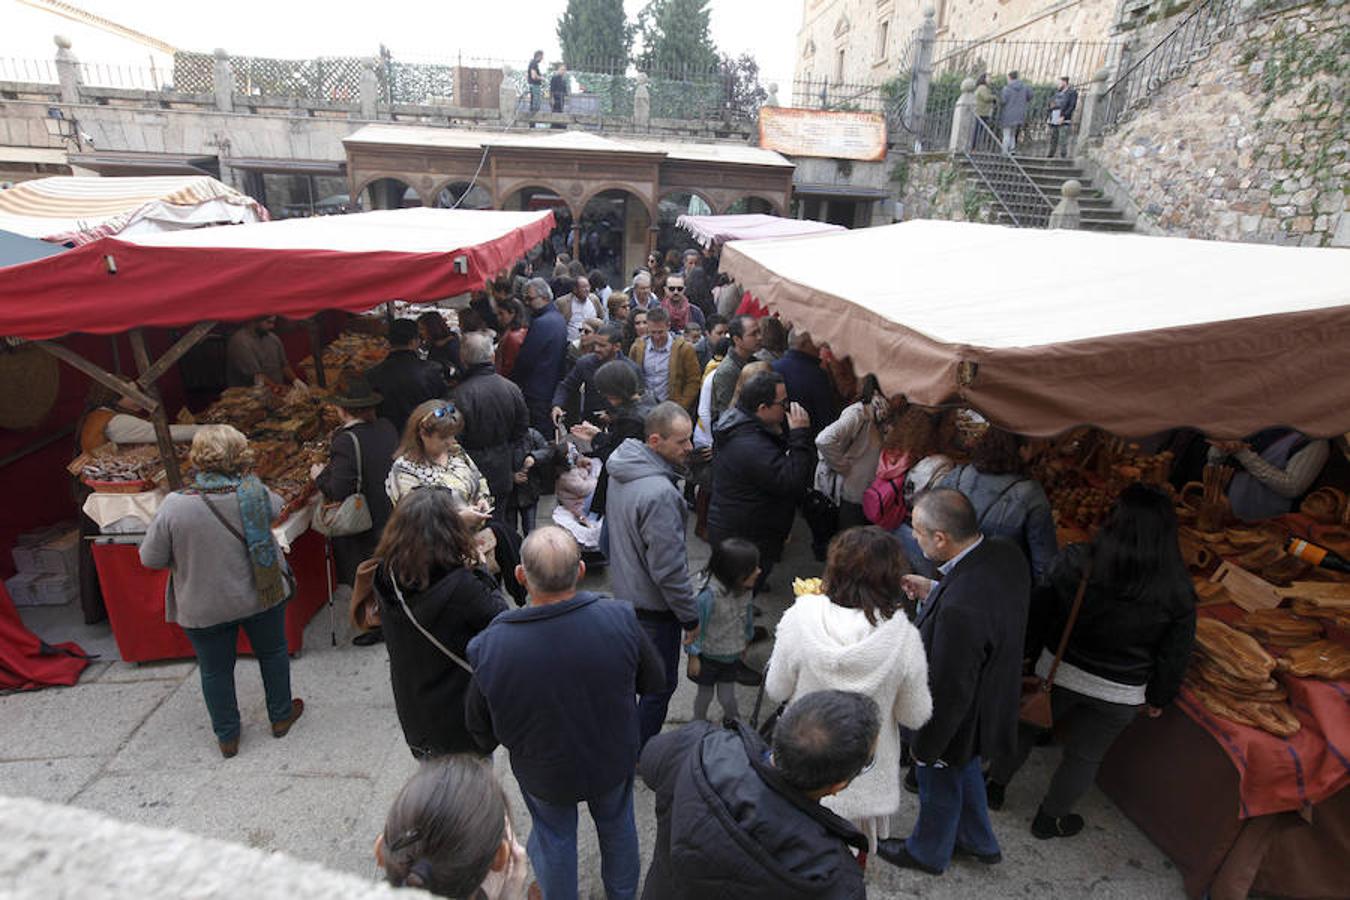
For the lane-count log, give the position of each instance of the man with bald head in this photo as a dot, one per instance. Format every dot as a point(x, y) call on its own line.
point(972, 623)
point(557, 683)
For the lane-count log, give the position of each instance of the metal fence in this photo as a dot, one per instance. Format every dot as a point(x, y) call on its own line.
point(123, 75)
point(36, 71)
point(1199, 29)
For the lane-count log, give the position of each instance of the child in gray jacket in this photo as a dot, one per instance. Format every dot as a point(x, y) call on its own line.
point(726, 624)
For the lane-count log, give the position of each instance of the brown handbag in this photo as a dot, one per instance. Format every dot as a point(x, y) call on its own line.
point(1035, 703)
point(365, 606)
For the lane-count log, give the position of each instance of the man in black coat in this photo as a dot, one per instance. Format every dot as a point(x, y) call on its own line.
point(495, 420)
point(404, 379)
point(734, 822)
point(807, 383)
point(608, 345)
point(972, 623)
point(758, 474)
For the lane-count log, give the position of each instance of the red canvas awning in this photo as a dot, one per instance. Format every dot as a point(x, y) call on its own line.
point(294, 268)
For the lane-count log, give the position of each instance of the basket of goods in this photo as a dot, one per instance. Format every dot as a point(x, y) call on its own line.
point(1324, 505)
point(110, 470)
point(1231, 676)
point(1208, 498)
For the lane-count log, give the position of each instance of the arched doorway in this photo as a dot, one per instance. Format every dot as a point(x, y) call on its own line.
point(389, 193)
point(533, 198)
point(612, 235)
point(751, 204)
point(460, 195)
point(668, 211)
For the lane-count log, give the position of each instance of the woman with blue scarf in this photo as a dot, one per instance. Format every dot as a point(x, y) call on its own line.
point(226, 573)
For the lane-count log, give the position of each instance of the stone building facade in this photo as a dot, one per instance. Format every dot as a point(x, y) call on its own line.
point(1251, 142)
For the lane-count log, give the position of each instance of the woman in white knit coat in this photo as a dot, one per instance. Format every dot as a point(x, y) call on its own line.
point(856, 637)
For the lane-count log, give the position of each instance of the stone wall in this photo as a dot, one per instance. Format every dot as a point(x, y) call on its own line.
point(60, 851)
point(934, 187)
point(1251, 142)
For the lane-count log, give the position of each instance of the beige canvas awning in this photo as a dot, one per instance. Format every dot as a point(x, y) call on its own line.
point(1045, 330)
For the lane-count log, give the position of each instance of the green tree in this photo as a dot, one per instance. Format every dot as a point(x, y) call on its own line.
point(595, 36)
point(675, 39)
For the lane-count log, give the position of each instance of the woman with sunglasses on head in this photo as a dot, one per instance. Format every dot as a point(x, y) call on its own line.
point(855, 636)
point(430, 585)
point(430, 456)
point(449, 833)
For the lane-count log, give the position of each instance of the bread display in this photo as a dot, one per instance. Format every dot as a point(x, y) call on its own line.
point(1320, 659)
point(1276, 718)
point(1280, 627)
point(1236, 653)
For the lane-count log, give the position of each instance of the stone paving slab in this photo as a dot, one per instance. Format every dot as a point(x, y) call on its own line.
point(134, 742)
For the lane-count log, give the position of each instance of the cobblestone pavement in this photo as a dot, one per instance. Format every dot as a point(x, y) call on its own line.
point(134, 742)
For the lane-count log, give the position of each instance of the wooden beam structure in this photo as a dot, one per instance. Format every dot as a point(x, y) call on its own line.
point(163, 437)
point(173, 354)
point(128, 389)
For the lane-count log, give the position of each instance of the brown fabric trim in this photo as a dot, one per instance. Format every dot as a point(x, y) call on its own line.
point(1228, 379)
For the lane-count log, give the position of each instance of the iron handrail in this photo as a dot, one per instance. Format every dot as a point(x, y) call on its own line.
point(1026, 180)
point(1177, 45)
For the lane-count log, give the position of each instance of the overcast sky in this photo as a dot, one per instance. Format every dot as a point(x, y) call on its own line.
point(415, 31)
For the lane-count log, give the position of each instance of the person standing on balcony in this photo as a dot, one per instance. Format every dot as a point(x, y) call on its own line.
point(535, 79)
point(985, 99)
point(558, 88)
point(1062, 105)
point(1014, 100)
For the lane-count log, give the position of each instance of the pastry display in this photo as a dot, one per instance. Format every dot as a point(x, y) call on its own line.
point(1236, 653)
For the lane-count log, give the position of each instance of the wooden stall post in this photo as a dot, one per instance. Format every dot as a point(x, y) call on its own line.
point(158, 416)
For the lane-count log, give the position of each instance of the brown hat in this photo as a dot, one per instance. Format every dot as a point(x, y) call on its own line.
point(355, 392)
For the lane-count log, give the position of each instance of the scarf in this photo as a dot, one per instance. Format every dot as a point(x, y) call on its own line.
point(255, 511)
point(679, 315)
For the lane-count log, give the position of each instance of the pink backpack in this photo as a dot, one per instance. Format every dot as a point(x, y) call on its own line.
point(883, 502)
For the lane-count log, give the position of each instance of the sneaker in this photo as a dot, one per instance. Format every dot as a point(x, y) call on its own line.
point(894, 851)
point(282, 728)
point(912, 781)
point(1045, 827)
point(993, 794)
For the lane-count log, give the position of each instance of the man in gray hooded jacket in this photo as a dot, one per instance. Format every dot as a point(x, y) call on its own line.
point(649, 564)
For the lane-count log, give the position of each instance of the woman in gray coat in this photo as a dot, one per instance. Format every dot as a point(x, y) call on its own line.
point(226, 573)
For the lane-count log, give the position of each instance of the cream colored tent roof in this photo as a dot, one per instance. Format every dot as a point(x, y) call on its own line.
point(1044, 330)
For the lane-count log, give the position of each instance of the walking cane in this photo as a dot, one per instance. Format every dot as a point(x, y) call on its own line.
point(328, 579)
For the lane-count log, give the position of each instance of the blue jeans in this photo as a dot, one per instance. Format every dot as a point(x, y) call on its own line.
point(665, 635)
point(216, 651)
point(552, 846)
point(953, 813)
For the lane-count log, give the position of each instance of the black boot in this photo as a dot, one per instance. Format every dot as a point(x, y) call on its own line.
point(1047, 826)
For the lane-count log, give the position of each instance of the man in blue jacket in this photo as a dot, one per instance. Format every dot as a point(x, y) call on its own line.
point(539, 365)
point(807, 382)
point(556, 683)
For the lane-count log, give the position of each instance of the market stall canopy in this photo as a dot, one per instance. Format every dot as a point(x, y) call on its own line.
point(294, 267)
point(710, 230)
point(15, 249)
point(78, 210)
point(1045, 330)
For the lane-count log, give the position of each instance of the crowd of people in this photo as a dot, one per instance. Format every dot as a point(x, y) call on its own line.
point(943, 585)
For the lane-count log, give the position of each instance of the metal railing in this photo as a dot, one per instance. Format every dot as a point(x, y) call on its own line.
point(1016, 192)
point(35, 71)
point(1199, 30)
point(125, 75)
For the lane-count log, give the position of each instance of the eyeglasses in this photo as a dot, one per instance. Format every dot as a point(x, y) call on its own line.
point(675, 288)
point(585, 330)
point(440, 412)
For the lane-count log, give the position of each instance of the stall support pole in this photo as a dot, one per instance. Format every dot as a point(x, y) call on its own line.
point(158, 416)
point(76, 361)
point(316, 350)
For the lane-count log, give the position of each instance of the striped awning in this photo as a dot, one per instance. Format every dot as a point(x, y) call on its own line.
point(79, 210)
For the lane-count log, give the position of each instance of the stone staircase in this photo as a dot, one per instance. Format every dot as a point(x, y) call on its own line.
point(1017, 202)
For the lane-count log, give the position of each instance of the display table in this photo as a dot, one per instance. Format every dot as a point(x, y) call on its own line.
point(134, 596)
point(1239, 810)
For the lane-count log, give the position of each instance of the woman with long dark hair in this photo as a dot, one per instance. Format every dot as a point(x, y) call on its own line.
point(1127, 652)
point(620, 386)
point(431, 589)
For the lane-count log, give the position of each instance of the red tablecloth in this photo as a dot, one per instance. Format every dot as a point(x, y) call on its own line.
point(1278, 774)
point(134, 596)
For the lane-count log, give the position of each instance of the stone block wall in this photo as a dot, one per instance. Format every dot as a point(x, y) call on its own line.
point(1251, 143)
point(934, 187)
